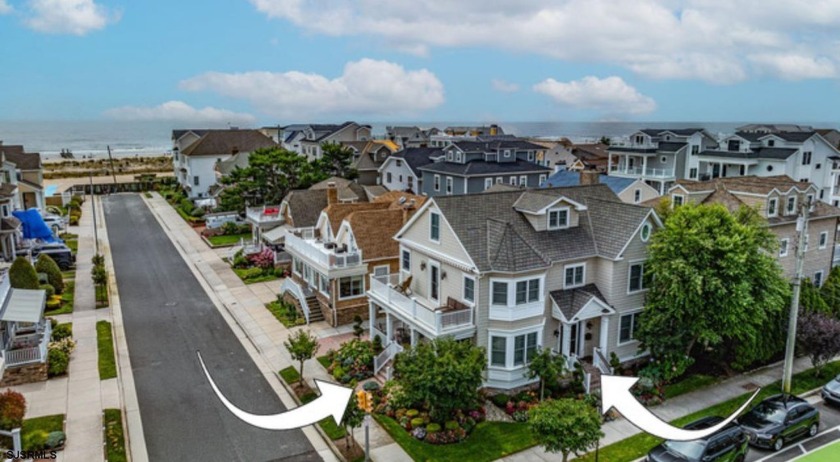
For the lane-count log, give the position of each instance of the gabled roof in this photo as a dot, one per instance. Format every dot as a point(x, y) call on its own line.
point(497, 144)
point(374, 230)
point(670, 146)
point(570, 302)
point(227, 142)
point(22, 160)
point(794, 137)
point(415, 158)
point(531, 201)
point(335, 213)
point(482, 167)
point(240, 160)
point(179, 133)
point(763, 185)
point(498, 238)
point(757, 153)
point(675, 131)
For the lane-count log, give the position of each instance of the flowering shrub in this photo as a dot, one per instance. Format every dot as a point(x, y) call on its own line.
point(66, 345)
point(419, 433)
point(353, 361)
point(264, 259)
point(446, 436)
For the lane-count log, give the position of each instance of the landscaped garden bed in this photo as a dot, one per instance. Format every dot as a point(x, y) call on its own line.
point(193, 215)
point(286, 313)
point(60, 348)
point(258, 267)
point(353, 361)
point(61, 304)
point(36, 434)
point(228, 234)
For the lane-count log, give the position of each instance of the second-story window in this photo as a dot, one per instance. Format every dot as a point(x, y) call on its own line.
point(823, 239)
point(449, 185)
point(469, 289)
point(513, 181)
point(406, 260)
point(488, 182)
point(783, 247)
point(558, 218)
point(458, 157)
point(437, 183)
point(349, 287)
point(523, 181)
point(542, 179)
point(637, 277)
point(806, 158)
point(527, 291)
point(434, 227)
point(195, 180)
point(772, 207)
point(791, 205)
point(574, 276)
point(499, 296)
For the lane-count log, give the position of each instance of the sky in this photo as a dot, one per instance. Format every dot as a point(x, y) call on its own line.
point(284, 61)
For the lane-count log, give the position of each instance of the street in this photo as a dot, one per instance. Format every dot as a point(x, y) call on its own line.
point(168, 317)
point(829, 421)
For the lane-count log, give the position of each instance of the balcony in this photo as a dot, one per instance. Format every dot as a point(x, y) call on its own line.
point(323, 254)
point(434, 321)
point(265, 215)
point(639, 172)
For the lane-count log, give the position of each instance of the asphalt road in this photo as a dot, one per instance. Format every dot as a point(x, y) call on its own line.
point(168, 317)
point(829, 421)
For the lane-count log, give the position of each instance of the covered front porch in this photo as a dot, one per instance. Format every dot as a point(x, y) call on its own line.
point(645, 165)
point(24, 333)
point(711, 167)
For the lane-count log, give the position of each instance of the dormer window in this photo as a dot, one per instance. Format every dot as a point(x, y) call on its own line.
point(530, 156)
point(772, 207)
point(771, 143)
point(449, 156)
point(734, 145)
point(640, 139)
point(558, 218)
point(458, 157)
point(791, 205)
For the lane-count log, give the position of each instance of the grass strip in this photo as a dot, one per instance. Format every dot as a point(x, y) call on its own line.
point(114, 437)
point(105, 345)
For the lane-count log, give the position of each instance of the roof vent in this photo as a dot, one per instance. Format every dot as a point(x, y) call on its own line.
point(402, 200)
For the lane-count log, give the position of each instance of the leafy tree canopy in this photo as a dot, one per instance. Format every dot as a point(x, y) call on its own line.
point(336, 160)
point(830, 291)
point(302, 345)
point(568, 426)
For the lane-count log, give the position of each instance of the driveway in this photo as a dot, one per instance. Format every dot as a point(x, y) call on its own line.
point(168, 317)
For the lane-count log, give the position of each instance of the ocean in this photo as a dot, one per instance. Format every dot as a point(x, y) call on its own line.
point(129, 139)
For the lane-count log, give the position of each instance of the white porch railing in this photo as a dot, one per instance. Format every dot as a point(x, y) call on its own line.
point(599, 361)
point(647, 173)
point(327, 258)
point(587, 382)
point(36, 354)
point(374, 332)
point(571, 362)
point(436, 321)
point(288, 285)
point(259, 216)
point(391, 350)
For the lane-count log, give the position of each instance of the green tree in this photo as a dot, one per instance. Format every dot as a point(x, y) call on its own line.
point(547, 366)
point(337, 160)
point(605, 140)
point(353, 418)
point(47, 265)
point(830, 291)
point(567, 426)
point(442, 375)
point(302, 346)
point(22, 275)
point(716, 290)
point(818, 336)
point(810, 299)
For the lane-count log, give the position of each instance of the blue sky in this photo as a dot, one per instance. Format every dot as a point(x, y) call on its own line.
point(277, 61)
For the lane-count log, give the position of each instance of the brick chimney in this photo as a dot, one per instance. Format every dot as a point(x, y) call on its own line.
point(589, 177)
point(332, 193)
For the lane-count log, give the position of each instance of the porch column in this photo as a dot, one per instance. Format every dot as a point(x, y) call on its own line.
point(662, 188)
point(644, 165)
point(388, 328)
point(626, 162)
point(609, 162)
point(605, 328)
point(566, 348)
point(413, 337)
point(372, 322)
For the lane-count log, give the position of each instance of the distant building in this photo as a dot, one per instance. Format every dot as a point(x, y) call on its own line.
point(196, 153)
point(368, 157)
point(410, 137)
point(629, 190)
point(401, 170)
point(306, 139)
point(593, 156)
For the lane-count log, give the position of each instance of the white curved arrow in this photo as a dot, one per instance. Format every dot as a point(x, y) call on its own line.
point(615, 392)
point(332, 402)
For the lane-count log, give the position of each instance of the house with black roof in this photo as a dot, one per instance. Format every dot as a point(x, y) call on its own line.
point(474, 166)
point(401, 171)
point(306, 139)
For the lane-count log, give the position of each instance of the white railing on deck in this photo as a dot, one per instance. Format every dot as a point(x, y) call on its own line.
point(587, 382)
point(258, 215)
point(391, 350)
point(437, 321)
point(36, 354)
point(571, 361)
point(599, 361)
point(327, 258)
point(288, 285)
point(639, 171)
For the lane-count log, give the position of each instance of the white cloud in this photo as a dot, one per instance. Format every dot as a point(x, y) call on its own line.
point(366, 87)
point(179, 111)
point(74, 17)
point(710, 40)
point(5, 8)
point(610, 95)
point(504, 86)
point(795, 67)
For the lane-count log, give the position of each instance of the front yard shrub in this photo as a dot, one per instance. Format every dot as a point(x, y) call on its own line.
point(34, 440)
point(417, 422)
point(451, 425)
point(12, 409)
point(62, 331)
point(500, 400)
point(352, 361)
point(47, 265)
point(50, 291)
point(432, 428)
point(56, 439)
point(58, 361)
point(22, 275)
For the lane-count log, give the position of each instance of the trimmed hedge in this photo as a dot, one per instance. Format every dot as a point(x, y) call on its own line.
point(47, 265)
point(22, 275)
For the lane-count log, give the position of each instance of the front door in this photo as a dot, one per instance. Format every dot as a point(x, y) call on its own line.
point(434, 282)
point(574, 344)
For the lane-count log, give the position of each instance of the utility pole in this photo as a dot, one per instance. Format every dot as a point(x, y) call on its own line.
point(93, 210)
point(801, 239)
point(113, 172)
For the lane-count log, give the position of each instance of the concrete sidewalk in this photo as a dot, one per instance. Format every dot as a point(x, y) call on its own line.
point(682, 405)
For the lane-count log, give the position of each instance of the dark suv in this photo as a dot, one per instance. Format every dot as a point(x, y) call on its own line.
point(778, 420)
point(726, 445)
point(59, 252)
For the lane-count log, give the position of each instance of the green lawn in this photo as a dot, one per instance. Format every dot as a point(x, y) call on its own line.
point(291, 376)
point(489, 441)
point(114, 438)
point(689, 384)
point(638, 445)
point(66, 306)
point(232, 239)
point(68, 275)
point(282, 315)
point(826, 454)
point(101, 293)
point(105, 345)
point(48, 424)
point(325, 361)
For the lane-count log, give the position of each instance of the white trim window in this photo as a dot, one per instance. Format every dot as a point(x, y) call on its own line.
point(823, 239)
point(498, 351)
point(637, 196)
point(324, 284)
point(772, 207)
point(677, 200)
point(575, 275)
point(806, 158)
point(405, 262)
point(510, 351)
point(499, 293)
point(627, 325)
point(458, 157)
point(449, 185)
point(791, 205)
point(542, 179)
point(636, 277)
point(437, 183)
point(381, 271)
point(523, 181)
point(644, 233)
point(524, 348)
point(818, 279)
point(488, 183)
point(351, 287)
point(784, 244)
point(558, 218)
point(434, 281)
point(469, 289)
point(513, 181)
point(527, 291)
point(434, 227)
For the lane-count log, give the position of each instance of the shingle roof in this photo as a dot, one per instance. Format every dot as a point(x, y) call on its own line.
point(481, 167)
point(676, 131)
point(496, 144)
point(418, 157)
point(337, 212)
point(757, 153)
point(498, 238)
point(9, 224)
point(670, 146)
point(221, 142)
point(7, 189)
point(572, 178)
point(305, 206)
point(751, 184)
point(22, 160)
point(571, 301)
point(374, 230)
point(795, 137)
point(240, 160)
point(750, 136)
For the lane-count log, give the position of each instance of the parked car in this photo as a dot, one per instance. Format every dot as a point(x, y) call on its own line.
point(56, 223)
point(727, 445)
point(779, 420)
point(59, 252)
point(831, 391)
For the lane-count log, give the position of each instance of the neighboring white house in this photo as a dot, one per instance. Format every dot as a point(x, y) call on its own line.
point(196, 153)
point(400, 171)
